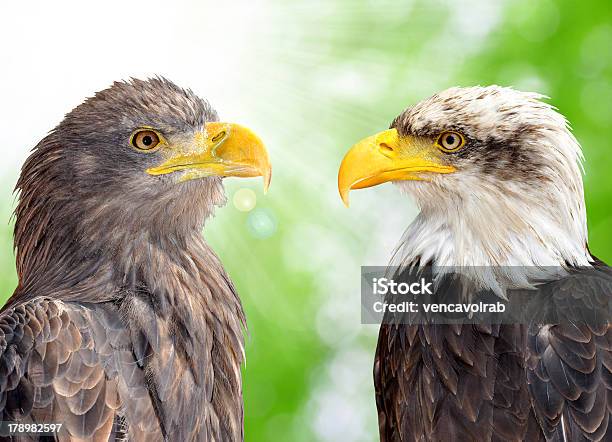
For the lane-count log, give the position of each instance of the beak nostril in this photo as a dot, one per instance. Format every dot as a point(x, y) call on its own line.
point(385, 147)
point(218, 137)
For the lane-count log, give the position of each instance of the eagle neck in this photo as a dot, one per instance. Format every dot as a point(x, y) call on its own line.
point(179, 284)
point(498, 228)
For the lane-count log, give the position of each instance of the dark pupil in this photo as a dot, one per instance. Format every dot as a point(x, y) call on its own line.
point(147, 140)
point(450, 140)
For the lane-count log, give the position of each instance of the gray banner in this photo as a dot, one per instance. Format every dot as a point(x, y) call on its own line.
point(428, 295)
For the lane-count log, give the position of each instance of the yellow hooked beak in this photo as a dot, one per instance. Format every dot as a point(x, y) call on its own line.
point(221, 149)
point(387, 156)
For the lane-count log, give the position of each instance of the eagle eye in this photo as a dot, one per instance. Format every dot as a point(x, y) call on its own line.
point(450, 141)
point(145, 139)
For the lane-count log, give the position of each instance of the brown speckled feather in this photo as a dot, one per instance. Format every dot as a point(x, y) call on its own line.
point(66, 363)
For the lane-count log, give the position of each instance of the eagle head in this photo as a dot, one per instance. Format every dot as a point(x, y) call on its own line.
point(140, 158)
point(496, 173)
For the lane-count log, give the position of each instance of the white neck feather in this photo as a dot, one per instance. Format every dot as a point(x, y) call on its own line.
point(492, 227)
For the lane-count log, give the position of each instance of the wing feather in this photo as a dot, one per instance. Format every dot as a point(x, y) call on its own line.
point(568, 369)
point(59, 364)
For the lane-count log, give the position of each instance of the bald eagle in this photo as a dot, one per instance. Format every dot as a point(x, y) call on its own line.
point(124, 325)
point(497, 176)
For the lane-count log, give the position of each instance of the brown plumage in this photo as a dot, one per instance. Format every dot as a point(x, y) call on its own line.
point(124, 324)
point(502, 382)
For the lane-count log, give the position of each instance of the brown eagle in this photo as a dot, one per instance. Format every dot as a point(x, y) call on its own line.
point(497, 176)
point(124, 325)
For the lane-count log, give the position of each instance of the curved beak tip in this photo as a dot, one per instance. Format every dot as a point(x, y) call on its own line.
point(344, 195)
point(267, 178)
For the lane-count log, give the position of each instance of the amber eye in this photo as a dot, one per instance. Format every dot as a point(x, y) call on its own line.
point(450, 141)
point(145, 140)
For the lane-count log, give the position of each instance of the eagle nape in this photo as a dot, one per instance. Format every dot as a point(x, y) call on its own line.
point(124, 324)
point(496, 174)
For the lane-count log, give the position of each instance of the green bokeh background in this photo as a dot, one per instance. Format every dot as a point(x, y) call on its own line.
point(318, 76)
